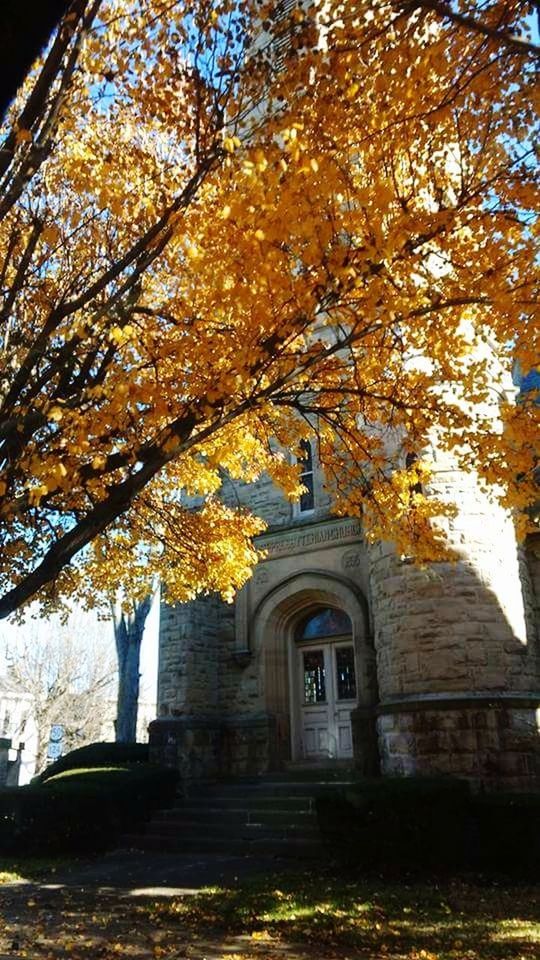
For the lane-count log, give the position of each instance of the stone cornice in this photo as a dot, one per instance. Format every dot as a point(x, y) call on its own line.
point(459, 701)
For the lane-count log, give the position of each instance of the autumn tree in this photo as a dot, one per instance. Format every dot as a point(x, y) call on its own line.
point(225, 226)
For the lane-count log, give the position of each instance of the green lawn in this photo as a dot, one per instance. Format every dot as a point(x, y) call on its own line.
point(341, 916)
point(287, 916)
point(31, 868)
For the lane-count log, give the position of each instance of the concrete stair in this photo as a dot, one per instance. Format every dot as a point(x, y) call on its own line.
point(274, 816)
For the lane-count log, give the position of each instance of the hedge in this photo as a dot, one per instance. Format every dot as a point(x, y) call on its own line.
point(82, 811)
point(102, 754)
point(416, 824)
point(506, 833)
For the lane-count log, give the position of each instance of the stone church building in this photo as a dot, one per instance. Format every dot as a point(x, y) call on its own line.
point(338, 651)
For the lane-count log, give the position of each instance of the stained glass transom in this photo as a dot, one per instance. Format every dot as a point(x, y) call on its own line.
point(324, 623)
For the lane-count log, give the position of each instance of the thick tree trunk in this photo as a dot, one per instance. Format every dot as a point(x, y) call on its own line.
point(128, 633)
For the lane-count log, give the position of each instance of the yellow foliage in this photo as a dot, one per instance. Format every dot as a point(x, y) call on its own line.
point(211, 258)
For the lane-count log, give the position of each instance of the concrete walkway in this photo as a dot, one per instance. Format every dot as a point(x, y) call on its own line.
point(163, 874)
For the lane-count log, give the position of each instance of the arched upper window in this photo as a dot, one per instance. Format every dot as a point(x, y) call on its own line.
point(305, 460)
point(410, 461)
point(324, 622)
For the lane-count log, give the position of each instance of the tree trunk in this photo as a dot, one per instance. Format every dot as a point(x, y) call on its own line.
point(128, 633)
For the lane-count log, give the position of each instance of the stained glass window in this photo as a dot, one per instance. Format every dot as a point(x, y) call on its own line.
point(326, 622)
point(345, 673)
point(314, 677)
point(307, 499)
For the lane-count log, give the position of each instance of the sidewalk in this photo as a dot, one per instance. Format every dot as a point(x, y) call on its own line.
point(133, 873)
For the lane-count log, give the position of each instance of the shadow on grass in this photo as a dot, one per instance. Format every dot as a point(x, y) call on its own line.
point(32, 869)
point(313, 915)
point(455, 919)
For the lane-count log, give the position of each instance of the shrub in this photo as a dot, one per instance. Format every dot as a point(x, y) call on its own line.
point(82, 811)
point(399, 823)
point(104, 754)
point(417, 824)
point(506, 832)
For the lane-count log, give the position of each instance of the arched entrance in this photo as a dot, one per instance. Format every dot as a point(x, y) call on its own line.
point(317, 668)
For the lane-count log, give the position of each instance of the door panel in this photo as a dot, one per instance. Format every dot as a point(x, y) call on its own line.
point(315, 740)
point(344, 739)
point(344, 675)
point(327, 691)
point(313, 679)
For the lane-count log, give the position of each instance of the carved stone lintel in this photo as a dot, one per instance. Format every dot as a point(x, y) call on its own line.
point(318, 535)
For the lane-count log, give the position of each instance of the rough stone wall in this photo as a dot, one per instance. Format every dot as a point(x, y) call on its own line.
point(493, 743)
point(199, 667)
point(531, 562)
point(267, 501)
point(455, 626)
point(458, 637)
point(240, 684)
point(188, 679)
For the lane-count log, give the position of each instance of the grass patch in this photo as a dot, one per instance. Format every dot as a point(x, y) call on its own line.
point(305, 916)
point(86, 774)
point(103, 754)
point(33, 869)
point(455, 920)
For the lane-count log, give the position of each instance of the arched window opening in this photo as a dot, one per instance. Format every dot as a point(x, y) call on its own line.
point(410, 461)
point(305, 460)
point(325, 622)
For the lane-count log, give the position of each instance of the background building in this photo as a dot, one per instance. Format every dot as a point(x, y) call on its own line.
point(18, 735)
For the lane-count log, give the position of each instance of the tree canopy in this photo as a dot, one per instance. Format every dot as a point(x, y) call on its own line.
point(228, 225)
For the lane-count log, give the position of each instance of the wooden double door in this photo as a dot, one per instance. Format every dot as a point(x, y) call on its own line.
point(328, 693)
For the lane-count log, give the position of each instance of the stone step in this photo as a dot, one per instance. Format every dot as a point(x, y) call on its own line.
point(289, 848)
point(269, 789)
point(235, 815)
point(256, 801)
point(272, 816)
point(318, 770)
point(236, 831)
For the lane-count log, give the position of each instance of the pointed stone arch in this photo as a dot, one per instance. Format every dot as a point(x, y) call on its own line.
point(272, 628)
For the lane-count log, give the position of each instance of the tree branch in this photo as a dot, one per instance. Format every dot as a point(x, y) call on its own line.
point(444, 10)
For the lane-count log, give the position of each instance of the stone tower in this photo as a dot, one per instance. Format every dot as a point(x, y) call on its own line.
point(458, 650)
point(340, 651)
